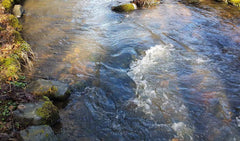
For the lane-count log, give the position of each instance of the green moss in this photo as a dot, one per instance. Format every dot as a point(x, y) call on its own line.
point(47, 93)
point(234, 2)
point(8, 4)
point(9, 67)
point(13, 21)
point(124, 8)
point(48, 112)
point(45, 98)
point(19, 52)
point(17, 37)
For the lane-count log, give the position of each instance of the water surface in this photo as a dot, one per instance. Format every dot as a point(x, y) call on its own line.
point(168, 72)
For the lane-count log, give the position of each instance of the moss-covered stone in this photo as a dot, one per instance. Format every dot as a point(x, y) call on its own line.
point(52, 89)
point(125, 7)
point(42, 112)
point(48, 112)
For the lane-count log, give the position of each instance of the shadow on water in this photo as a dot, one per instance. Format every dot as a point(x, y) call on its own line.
point(85, 44)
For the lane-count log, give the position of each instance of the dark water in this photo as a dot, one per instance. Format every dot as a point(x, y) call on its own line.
point(169, 72)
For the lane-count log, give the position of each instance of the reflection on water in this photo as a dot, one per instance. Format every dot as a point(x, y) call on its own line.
point(168, 72)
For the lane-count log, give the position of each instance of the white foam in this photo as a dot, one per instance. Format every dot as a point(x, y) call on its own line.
point(140, 72)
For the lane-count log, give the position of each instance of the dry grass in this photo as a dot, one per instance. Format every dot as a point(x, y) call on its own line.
point(15, 54)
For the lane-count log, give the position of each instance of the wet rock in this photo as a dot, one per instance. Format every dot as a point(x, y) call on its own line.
point(38, 133)
point(52, 89)
point(18, 11)
point(125, 7)
point(43, 112)
point(146, 3)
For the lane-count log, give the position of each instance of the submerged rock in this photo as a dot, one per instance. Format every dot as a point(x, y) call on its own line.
point(125, 7)
point(18, 11)
point(38, 133)
point(43, 112)
point(52, 89)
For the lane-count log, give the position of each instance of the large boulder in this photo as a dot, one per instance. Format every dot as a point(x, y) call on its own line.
point(18, 11)
point(43, 112)
point(52, 89)
point(38, 133)
point(125, 7)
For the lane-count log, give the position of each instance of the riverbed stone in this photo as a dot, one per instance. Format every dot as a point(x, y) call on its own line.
point(18, 11)
point(38, 133)
point(43, 112)
point(52, 89)
point(125, 7)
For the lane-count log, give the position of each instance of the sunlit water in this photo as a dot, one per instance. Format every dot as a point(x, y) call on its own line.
point(169, 72)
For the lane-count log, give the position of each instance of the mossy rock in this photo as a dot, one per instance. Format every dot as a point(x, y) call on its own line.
point(40, 113)
point(48, 112)
point(38, 133)
point(125, 7)
point(52, 89)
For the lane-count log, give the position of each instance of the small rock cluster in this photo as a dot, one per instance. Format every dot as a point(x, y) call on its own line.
point(40, 114)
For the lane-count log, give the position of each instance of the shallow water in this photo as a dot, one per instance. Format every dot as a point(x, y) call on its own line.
point(168, 72)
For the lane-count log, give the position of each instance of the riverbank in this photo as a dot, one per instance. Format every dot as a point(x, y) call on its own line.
point(16, 57)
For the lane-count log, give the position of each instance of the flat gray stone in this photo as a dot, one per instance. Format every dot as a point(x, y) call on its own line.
point(18, 11)
point(38, 133)
point(26, 114)
point(52, 89)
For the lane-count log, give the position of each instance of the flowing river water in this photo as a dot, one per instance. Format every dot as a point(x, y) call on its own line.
point(165, 73)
